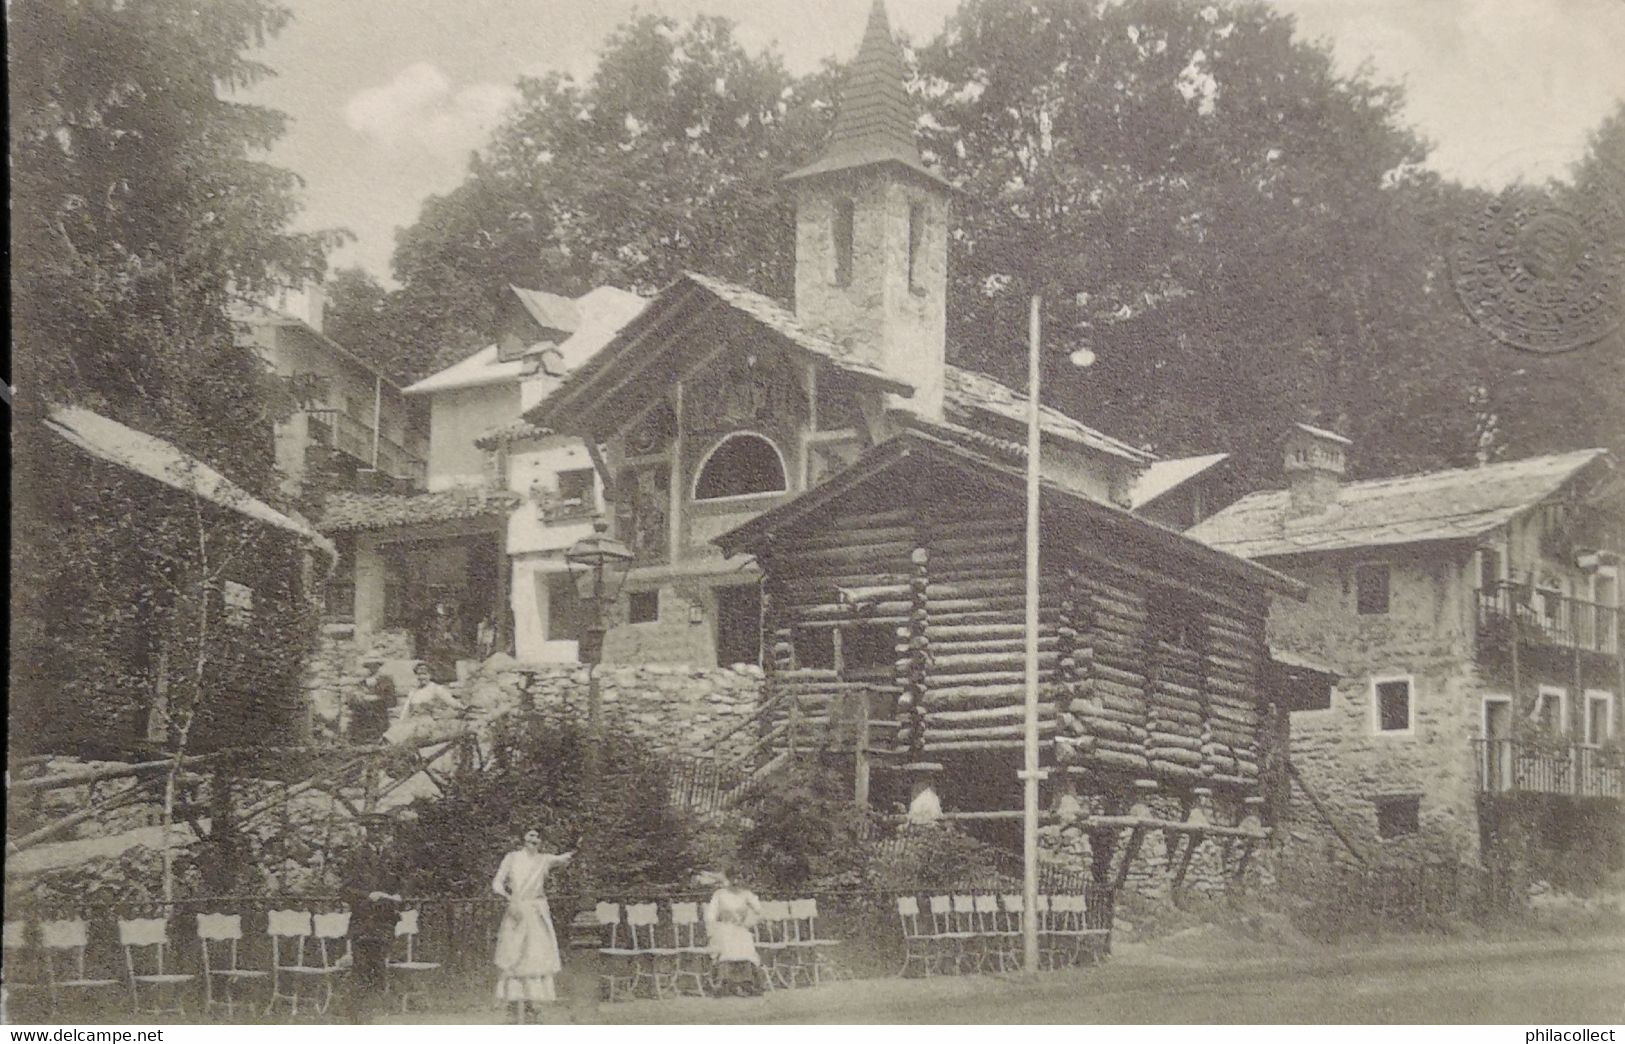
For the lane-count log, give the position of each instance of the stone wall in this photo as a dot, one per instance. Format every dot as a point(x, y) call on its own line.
point(1340, 753)
point(679, 709)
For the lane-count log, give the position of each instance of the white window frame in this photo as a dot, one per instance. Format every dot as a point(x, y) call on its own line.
point(1606, 698)
point(1500, 553)
point(699, 471)
point(1354, 582)
point(1562, 695)
point(1410, 704)
point(1484, 712)
point(1610, 573)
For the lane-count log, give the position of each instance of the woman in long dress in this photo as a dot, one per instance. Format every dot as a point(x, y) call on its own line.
point(730, 917)
point(527, 951)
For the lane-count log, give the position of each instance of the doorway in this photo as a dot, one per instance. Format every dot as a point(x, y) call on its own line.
point(1497, 765)
point(739, 624)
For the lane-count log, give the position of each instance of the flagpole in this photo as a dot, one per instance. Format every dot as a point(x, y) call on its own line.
point(1030, 774)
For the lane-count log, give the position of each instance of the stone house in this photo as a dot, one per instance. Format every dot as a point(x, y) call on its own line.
point(1472, 618)
point(351, 426)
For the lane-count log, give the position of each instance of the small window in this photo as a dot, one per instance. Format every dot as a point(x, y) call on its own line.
point(1371, 589)
point(1599, 723)
point(740, 465)
point(1398, 816)
point(643, 607)
point(842, 236)
point(869, 648)
point(1393, 705)
point(1549, 706)
point(916, 243)
point(1309, 692)
point(1489, 568)
point(239, 603)
point(815, 648)
point(575, 488)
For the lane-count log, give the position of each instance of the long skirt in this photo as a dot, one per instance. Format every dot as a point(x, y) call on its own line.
point(527, 953)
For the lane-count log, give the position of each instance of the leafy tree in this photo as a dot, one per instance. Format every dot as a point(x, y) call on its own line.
point(667, 158)
point(138, 216)
point(1240, 234)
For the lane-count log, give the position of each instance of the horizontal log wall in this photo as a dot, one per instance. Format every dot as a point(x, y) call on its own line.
point(1117, 689)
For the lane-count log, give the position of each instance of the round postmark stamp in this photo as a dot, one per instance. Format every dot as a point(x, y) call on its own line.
point(1543, 268)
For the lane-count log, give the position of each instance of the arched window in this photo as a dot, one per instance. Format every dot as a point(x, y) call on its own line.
point(740, 465)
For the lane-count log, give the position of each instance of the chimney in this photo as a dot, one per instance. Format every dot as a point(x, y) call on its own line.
point(315, 305)
point(1316, 461)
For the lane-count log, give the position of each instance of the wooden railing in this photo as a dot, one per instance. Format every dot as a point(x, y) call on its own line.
point(1511, 766)
point(349, 436)
point(1551, 618)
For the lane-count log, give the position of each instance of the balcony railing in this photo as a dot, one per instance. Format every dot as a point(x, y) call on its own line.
point(1548, 617)
point(344, 433)
point(1512, 766)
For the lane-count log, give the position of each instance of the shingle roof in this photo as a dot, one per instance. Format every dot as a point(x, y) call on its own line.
point(875, 121)
point(349, 512)
point(1166, 475)
point(781, 320)
point(947, 443)
point(1437, 505)
point(551, 311)
point(513, 431)
point(162, 461)
point(975, 392)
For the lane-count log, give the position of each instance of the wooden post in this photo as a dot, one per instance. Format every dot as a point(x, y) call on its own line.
point(860, 772)
point(1029, 775)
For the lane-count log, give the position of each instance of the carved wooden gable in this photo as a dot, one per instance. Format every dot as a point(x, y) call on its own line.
point(744, 390)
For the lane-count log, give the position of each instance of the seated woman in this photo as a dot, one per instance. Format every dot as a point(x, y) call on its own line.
point(427, 706)
point(730, 917)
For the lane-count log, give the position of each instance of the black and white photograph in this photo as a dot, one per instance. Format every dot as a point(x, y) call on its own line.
point(754, 512)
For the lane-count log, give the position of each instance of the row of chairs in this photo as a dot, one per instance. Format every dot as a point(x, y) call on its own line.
point(309, 953)
point(650, 958)
point(969, 934)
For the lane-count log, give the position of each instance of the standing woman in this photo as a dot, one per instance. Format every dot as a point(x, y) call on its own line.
point(527, 951)
point(730, 917)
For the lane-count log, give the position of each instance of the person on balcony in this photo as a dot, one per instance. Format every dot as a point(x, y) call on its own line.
point(372, 704)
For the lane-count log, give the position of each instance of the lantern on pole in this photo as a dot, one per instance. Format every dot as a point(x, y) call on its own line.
point(598, 565)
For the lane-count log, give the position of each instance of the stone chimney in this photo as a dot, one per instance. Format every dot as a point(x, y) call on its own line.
point(872, 229)
point(1316, 461)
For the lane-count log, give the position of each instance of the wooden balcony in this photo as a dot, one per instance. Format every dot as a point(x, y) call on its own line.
point(1517, 767)
point(1547, 618)
point(337, 430)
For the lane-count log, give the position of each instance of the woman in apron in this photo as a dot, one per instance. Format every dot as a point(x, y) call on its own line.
point(527, 951)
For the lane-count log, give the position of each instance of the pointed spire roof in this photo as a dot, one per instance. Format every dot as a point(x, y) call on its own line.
point(875, 123)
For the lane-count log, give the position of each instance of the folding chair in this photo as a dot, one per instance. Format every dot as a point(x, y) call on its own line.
point(690, 960)
point(24, 970)
point(641, 922)
point(218, 936)
point(773, 944)
point(950, 941)
point(290, 929)
point(813, 948)
point(65, 943)
point(621, 958)
point(406, 927)
point(145, 940)
point(1015, 929)
point(919, 947)
point(991, 930)
point(972, 944)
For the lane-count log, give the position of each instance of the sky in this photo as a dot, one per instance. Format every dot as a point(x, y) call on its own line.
point(387, 98)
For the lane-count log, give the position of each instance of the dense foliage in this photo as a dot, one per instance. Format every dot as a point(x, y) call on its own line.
point(139, 215)
point(1243, 235)
point(625, 830)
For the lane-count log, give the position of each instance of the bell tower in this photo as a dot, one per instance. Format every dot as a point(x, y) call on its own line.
point(872, 229)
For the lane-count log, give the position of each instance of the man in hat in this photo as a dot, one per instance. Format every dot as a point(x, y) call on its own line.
point(372, 704)
point(372, 888)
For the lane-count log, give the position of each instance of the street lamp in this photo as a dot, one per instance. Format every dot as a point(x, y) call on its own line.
point(1030, 773)
point(598, 565)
